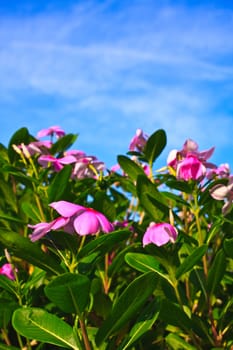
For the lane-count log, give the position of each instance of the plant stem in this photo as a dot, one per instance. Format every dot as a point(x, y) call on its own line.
point(86, 341)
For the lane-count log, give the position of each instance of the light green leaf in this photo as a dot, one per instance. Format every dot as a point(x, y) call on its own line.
point(36, 323)
point(178, 343)
point(130, 167)
point(146, 263)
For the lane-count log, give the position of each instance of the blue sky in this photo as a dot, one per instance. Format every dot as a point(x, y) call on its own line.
point(102, 69)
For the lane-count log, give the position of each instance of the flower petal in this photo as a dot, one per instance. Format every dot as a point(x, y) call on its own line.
point(66, 209)
point(87, 223)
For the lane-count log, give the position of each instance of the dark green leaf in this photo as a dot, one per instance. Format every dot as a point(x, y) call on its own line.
point(7, 284)
point(127, 305)
point(70, 292)
point(216, 272)
point(173, 314)
point(35, 323)
point(23, 248)
point(8, 194)
point(143, 323)
point(20, 136)
point(155, 207)
point(58, 186)
point(63, 143)
point(228, 247)
point(131, 168)
point(191, 260)
point(104, 243)
point(155, 145)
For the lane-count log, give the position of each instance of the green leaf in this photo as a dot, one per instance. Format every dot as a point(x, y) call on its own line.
point(155, 145)
point(8, 194)
point(63, 143)
point(7, 308)
point(127, 305)
point(182, 186)
point(216, 272)
point(104, 243)
point(146, 263)
point(8, 347)
point(172, 314)
point(228, 247)
point(36, 323)
point(23, 248)
point(143, 323)
point(191, 260)
point(20, 136)
point(31, 211)
point(178, 343)
point(59, 184)
point(131, 168)
point(7, 284)
point(70, 292)
point(151, 199)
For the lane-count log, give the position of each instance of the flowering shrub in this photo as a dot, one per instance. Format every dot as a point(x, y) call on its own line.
point(129, 257)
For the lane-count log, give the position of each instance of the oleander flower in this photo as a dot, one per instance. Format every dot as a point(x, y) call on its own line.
point(139, 141)
point(190, 168)
point(190, 149)
point(58, 163)
point(53, 130)
point(7, 270)
point(74, 219)
point(159, 234)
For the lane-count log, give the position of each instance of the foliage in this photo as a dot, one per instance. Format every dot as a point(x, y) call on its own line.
point(114, 259)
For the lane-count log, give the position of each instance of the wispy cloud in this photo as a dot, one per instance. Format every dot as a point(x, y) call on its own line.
point(124, 65)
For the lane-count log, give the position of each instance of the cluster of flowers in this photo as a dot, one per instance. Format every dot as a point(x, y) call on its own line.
point(187, 164)
point(83, 165)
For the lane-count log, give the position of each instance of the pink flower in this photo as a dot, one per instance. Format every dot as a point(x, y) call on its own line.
point(190, 149)
point(8, 271)
point(40, 230)
point(139, 141)
point(58, 163)
point(159, 234)
point(190, 168)
point(74, 219)
point(85, 221)
point(53, 130)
